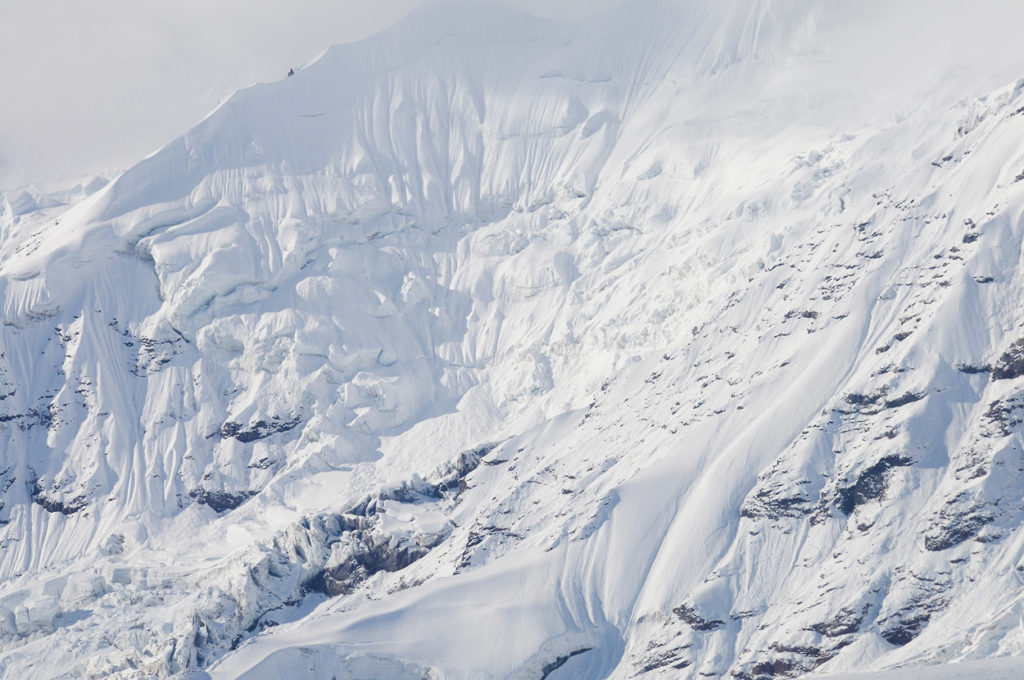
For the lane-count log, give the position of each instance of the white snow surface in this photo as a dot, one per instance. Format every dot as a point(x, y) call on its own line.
point(990, 669)
point(683, 341)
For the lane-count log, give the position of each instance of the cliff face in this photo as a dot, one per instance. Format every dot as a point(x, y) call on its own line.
point(494, 347)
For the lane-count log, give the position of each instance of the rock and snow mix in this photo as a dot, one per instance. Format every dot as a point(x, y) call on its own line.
point(494, 347)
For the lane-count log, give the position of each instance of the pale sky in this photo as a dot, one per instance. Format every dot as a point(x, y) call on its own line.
point(91, 87)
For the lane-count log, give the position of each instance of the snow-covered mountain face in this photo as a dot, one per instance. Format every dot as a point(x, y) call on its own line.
point(664, 344)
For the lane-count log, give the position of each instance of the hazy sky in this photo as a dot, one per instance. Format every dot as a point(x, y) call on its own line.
point(90, 87)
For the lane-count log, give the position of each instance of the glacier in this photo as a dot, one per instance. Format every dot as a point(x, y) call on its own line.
point(682, 341)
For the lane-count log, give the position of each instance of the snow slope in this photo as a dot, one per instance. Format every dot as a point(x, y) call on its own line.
point(992, 669)
point(680, 342)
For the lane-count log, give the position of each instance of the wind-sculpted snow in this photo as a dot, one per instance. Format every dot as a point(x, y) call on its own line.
point(751, 380)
